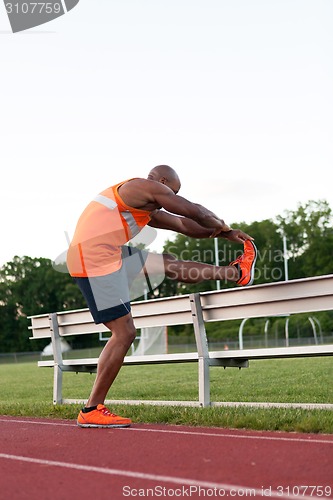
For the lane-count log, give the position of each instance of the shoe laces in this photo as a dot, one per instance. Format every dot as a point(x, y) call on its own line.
point(239, 259)
point(107, 412)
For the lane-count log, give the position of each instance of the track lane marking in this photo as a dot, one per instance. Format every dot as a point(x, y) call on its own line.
point(153, 477)
point(240, 436)
point(191, 433)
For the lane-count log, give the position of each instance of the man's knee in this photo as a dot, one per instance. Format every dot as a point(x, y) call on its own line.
point(131, 335)
point(123, 329)
point(128, 332)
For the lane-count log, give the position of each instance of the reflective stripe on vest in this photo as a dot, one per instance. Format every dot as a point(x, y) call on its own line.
point(104, 200)
point(135, 229)
point(108, 203)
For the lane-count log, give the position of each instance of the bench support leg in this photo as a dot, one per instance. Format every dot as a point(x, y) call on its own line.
point(202, 346)
point(57, 355)
point(57, 385)
point(204, 383)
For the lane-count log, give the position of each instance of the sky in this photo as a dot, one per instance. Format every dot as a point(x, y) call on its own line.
point(236, 95)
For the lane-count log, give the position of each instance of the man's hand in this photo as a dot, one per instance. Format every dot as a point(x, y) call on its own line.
point(235, 235)
point(224, 228)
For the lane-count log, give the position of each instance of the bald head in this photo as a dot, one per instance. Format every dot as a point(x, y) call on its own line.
point(166, 175)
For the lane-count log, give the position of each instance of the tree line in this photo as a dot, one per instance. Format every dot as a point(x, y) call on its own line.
point(309, 236)
point(30, 286)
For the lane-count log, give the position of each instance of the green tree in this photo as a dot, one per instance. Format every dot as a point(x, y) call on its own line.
point(30, 286)
point(309, 236)
point(310, 240)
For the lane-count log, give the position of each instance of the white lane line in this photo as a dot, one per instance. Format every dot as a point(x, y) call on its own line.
point(239, 436)
point(37, 422)
point(189, 433)
point(180, 481)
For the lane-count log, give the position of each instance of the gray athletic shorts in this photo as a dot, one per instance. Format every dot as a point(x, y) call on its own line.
point(108, 296)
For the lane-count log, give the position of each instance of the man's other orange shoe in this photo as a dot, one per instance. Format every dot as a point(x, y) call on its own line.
point(245, 263)
point(101, 417)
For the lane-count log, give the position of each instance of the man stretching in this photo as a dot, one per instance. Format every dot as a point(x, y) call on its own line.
point(104, 267)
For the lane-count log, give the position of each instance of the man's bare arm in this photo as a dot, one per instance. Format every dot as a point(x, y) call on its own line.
point(188, 227)
point(183, 225)
point(193, 211)
point(146, 194)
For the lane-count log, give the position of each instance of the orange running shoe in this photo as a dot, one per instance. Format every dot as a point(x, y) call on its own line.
point(245, 263)
point(101, 417)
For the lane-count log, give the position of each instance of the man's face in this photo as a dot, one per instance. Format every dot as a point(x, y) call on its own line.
point(174, 185)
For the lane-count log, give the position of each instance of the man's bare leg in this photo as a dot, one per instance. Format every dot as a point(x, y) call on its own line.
point(189, 271)
point(112, 357)
point(196, 272)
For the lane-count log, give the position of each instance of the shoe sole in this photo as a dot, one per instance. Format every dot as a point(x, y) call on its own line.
point(252, 267)
point(108, 426)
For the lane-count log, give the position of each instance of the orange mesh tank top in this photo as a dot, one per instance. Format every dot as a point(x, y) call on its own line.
point(105, 224)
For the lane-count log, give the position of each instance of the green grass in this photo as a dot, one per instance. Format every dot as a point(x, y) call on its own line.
point(26, 390)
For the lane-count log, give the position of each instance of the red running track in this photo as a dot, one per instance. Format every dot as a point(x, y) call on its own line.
point(46, 459)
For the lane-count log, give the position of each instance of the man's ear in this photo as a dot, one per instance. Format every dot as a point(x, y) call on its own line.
point(163, 180)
